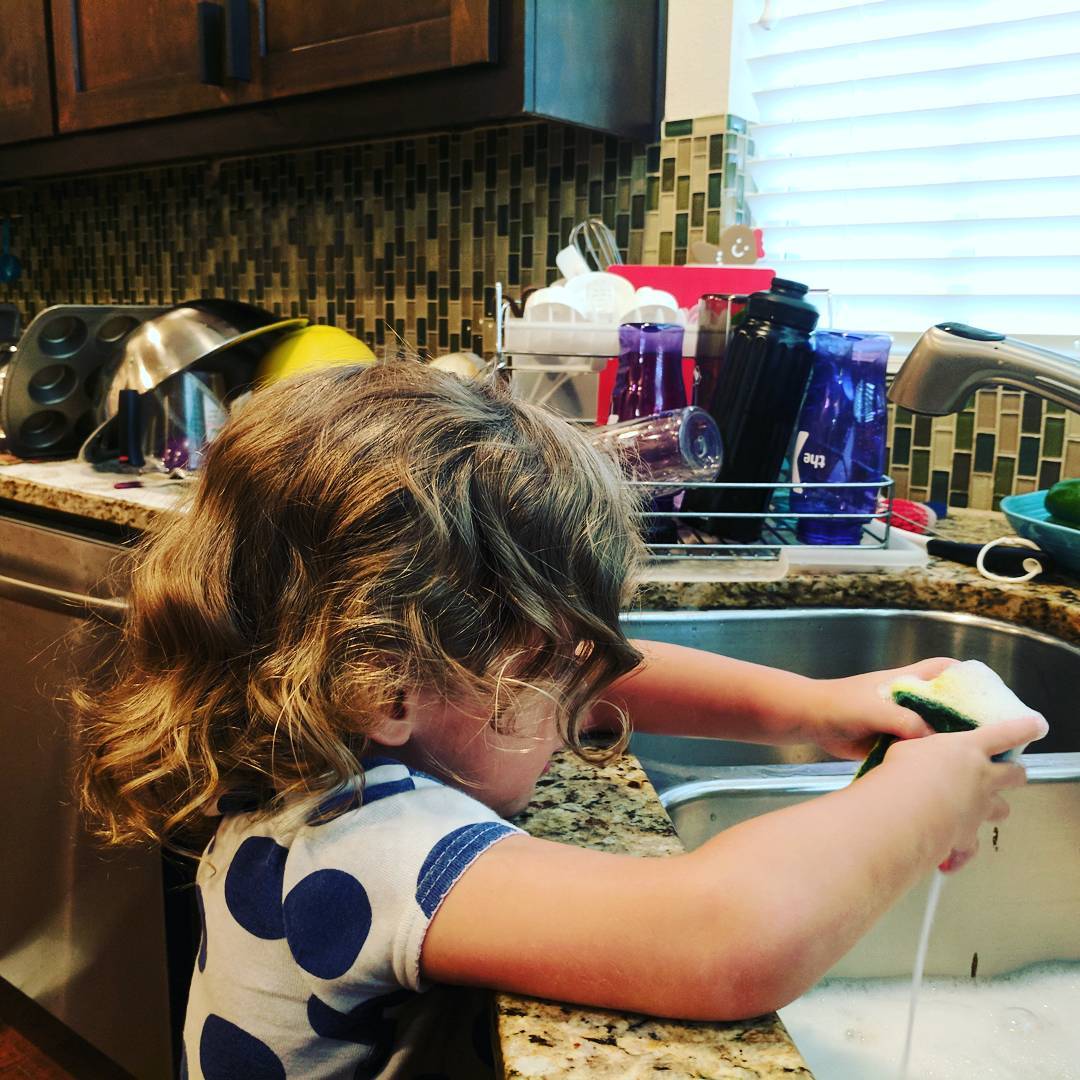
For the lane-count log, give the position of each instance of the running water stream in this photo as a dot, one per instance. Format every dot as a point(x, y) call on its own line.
point(920, 964)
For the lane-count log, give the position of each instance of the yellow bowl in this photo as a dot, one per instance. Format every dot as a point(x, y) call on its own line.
point(309, 349)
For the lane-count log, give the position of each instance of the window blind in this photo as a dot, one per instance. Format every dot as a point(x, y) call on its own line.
point(921, 160)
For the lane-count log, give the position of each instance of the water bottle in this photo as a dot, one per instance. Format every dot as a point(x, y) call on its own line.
point(841, 437)
point(759, 389)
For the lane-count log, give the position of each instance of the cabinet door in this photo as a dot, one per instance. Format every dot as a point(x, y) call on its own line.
point(25, 88)
point(123, 60)
point(309, 45)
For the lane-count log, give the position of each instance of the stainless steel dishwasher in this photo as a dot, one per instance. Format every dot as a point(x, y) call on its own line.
point(82, 932)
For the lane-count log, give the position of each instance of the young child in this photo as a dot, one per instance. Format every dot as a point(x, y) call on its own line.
point(395, 595)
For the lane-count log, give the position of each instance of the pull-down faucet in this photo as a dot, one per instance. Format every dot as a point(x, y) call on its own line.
point(951, 361)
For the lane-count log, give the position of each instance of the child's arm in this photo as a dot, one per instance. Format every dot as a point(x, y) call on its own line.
point(681, 691)
point(740, 926)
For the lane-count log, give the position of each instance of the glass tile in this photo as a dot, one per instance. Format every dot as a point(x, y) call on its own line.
point(652, 158)
point(652, 193)
point(682, 193)
point(961, 472)
point(712, 227)
point(920, 467)
point(986, 409)
point(1003, 475)
point(667, 174)
point(1049, 474)
point(1028, 462)
point(1054, 409)
point(959, 499)
point(667, 249)
point(965, 427)
point(678, 127)
point(1008, 433)
point(716, 189)
point(681, 223)
point(1032, 414)
point(903, 416)
point(923, 428)
point(984, 453)
point(939, 486)
point(1054, 436)
point(716, 151)
point(901, 454)
point(697, 210)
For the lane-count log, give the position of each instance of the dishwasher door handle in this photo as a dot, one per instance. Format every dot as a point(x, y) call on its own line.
point(60, 599)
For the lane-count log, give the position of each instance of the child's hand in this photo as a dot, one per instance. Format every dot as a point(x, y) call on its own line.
point(956, 772)
point(851, 713)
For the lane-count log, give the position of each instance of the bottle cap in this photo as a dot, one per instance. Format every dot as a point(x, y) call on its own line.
point(784, 304)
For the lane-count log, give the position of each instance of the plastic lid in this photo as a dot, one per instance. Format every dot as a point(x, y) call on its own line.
point(784, 304)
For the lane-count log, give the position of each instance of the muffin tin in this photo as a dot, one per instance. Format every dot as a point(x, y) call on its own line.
point(51, 390)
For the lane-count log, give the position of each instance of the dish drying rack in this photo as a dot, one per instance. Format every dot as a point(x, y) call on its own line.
point(882, 545)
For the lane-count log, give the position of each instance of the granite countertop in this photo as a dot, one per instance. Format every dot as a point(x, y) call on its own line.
point(614, 808)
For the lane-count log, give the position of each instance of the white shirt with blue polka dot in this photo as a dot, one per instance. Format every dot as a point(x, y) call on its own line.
point(313, 921)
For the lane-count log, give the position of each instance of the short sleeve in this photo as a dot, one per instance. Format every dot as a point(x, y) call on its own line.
point(361, 887)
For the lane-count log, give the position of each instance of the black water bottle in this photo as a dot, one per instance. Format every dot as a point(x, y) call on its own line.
point(756, 402)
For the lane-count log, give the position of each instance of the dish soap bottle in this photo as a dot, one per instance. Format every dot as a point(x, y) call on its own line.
point(759, 390)
point(841, 436)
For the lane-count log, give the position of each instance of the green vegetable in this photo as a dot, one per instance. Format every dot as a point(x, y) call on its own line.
point(1063, 502)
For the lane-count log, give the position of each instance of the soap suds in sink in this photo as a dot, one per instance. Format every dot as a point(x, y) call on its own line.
point(1014, 1027)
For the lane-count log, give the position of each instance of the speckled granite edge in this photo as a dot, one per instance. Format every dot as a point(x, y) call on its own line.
point(614, 808)
point(73, 487)
point(1050, 604)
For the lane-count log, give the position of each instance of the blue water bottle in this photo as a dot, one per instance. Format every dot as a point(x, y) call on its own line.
point(841, 436)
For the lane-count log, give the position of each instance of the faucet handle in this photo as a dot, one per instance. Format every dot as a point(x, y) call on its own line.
point(971, 333)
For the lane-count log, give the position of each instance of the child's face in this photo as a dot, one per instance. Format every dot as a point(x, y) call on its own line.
point(456, 742)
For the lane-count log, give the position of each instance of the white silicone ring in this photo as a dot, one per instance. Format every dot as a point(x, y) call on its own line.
point(1032, 566)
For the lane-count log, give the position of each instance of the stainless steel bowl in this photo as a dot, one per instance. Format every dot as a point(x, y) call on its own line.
point(199, 332)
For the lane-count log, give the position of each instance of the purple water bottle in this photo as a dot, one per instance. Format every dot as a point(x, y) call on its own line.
point(841, 436)
point(649, 379)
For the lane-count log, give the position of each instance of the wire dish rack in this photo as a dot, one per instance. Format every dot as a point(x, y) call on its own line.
point(700, 534)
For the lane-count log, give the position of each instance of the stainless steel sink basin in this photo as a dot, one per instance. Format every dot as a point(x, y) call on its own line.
point(1017, 903)
point(825, 643)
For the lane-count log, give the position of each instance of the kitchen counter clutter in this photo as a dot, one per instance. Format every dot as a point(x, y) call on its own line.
point(614, 808)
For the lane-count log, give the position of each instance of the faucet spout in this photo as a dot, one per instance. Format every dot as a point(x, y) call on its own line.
point(951, 361)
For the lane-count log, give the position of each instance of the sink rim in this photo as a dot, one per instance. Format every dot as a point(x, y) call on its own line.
point(786, 613)
point(821, 777)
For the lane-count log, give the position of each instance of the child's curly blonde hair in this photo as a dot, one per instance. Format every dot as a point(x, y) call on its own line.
point(355, 534)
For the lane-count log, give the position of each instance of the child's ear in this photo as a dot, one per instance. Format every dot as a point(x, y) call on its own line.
point(394, 729)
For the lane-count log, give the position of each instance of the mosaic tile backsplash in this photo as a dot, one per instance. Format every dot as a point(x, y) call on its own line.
point(402, 241)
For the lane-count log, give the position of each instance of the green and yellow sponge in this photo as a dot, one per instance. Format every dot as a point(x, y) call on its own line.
point(963, 697)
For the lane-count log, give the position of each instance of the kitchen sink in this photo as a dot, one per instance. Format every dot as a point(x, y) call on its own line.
point(1017, 903)
point(829, 643)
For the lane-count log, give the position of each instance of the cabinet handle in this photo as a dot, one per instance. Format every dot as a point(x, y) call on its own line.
point(238, 40)
point(264, 46)
point(76, 49)
point(60, 599)
point(211, 42)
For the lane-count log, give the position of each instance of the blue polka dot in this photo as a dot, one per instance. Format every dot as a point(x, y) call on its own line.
point(366, 1023)
point(253, 887)
point(327, 919)
point(227, 1052)
point(450, 857)
point(202, 923)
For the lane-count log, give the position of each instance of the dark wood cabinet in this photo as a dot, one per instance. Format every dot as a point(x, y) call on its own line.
point(25, 86)
point(306, 46)
point(141, 82)
point(118, 61)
